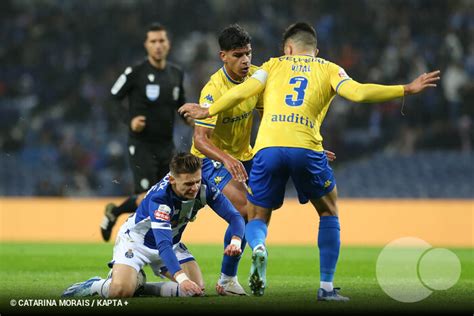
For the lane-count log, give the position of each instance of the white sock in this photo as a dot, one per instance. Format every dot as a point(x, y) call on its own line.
point(327, 286)
point(226, 278)
point(163, 289)
point(101, 287)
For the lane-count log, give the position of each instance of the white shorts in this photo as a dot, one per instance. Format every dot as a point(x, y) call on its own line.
point(130, 250)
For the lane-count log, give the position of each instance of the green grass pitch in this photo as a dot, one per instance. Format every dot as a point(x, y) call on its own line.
point(40, 270)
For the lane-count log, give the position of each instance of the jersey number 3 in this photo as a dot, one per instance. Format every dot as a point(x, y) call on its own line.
point(300, 84)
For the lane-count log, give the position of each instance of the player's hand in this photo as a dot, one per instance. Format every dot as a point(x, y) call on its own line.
point(236, 169)
point(234, 248)
point(193, 110)
point(189, 288)
point(426, 80)
point(330, 155)
point(138, 123)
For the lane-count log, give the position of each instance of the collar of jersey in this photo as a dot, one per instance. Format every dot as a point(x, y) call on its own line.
point(228, 77)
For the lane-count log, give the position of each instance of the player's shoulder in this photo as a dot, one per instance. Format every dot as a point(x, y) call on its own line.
point(217, 80)
point(175, 67)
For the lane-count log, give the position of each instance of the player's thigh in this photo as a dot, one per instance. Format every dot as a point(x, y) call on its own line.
point(162, 154)
point(311, 174)
point(268, 178)
point(142, 164)
point(124, 281)
point(237, 195)
point(327, 204)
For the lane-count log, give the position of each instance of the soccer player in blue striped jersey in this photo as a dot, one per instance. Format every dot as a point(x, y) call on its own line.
point(152, 236)
point(298, 89)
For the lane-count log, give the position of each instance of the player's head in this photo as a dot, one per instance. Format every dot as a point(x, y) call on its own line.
point(298, 38)
point(185, 175)
point(156, 43)
point(236, 50)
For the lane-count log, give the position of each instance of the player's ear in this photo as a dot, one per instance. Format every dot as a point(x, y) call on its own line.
point(316, 52)
point(223, 56)
point(172, 179)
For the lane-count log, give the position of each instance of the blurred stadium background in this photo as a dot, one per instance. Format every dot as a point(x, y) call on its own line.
point(61, 135)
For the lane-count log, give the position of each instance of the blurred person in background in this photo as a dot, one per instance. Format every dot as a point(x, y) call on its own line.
point(154, 89)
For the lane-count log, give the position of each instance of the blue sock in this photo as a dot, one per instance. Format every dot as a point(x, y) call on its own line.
point(256, 232)
point(329, 243)
point(229, 263)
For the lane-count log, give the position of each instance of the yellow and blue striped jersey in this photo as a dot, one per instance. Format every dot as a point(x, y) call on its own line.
point(297, 95)
point(232, 128)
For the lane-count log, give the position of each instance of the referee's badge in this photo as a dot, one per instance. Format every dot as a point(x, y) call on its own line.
point(152, 91)
point(175, 93)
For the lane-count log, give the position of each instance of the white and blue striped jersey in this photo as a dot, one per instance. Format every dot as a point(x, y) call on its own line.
point(162, 217)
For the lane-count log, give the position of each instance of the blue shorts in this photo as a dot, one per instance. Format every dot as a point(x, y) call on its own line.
point(217, 174)
point(272, 166)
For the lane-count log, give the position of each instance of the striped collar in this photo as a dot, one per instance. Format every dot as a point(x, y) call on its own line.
point(229, 78)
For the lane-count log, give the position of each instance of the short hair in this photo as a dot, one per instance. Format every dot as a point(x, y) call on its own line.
point(301, 33)
point(154, 27)
point(233, 36)
point(184, 163)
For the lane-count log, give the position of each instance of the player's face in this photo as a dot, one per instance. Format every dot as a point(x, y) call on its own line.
point(157, 45)
point(237, 61)
point(186, 185)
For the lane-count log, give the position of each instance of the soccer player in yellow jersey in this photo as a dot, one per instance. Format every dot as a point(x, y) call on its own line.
point(298, 91)
point(223, 140)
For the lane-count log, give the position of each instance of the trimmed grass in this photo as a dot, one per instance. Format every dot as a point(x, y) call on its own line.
point(44, 271)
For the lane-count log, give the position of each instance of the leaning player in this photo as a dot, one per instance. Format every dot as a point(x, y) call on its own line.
point(298, 91)
point(153, 236)
point(223, 141)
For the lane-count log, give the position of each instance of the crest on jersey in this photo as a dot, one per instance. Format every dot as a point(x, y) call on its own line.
point(151, 77)
point(129, 254)
point(152, 91)
point(175, 93)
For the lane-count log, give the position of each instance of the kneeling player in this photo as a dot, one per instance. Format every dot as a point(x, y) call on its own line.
point(152, 236)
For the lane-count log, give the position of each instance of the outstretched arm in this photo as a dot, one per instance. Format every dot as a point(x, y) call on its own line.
point(357, 92)
point(231, 98)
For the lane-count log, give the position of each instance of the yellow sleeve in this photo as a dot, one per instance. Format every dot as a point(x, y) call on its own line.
point(357, 92)
point(237, 94)
point(209, 94)
point(366, 93)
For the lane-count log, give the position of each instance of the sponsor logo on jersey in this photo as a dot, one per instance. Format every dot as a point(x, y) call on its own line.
point(129, 254)
point(233, 119)
point(209, 98)
point(152, 91)
point(163, 212)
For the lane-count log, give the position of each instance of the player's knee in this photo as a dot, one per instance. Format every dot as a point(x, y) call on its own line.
point(119, 289)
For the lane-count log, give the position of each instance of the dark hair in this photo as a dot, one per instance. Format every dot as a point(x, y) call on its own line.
point(184, 163)
point(153, 27)
point(232, 37)
point(301, 32)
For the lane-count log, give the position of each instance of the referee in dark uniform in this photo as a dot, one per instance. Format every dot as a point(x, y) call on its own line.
point(154, 89)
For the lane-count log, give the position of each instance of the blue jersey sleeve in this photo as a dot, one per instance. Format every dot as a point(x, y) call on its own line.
point(160, 215)
point(222, 206)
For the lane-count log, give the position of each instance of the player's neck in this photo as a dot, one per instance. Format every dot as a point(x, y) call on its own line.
point(304, 53)
point(159, 64)
point(232, 75)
